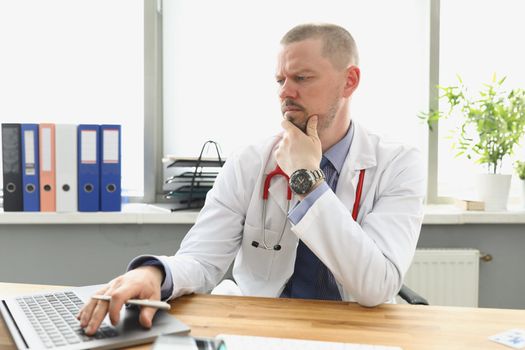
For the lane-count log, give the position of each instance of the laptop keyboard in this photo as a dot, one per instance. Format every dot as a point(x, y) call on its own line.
point(53, 316)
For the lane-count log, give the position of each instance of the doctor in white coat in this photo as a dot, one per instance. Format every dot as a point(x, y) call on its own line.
point(367, 257)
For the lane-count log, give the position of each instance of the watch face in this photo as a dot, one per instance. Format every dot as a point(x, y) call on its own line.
point(301, 182)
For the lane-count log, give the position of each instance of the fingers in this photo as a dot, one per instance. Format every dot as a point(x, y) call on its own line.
point(93, 317)
point(119, 296)
point(289, 127)
point(299, 150)
point(143, 282)
point(97, 316)
point(147, 313)
point(93, 312)
point(146, 316)
point(85, 313)
point(311, 127)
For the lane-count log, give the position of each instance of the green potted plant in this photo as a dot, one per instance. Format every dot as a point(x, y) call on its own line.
point(520, 170)
point(493, 122)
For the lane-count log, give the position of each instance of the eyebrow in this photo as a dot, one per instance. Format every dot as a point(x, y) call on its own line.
point(298, 72)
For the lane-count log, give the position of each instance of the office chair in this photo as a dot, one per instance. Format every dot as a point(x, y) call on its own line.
point(411, 296)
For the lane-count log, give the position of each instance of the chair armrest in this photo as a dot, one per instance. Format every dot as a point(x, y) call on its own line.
point(411, 297)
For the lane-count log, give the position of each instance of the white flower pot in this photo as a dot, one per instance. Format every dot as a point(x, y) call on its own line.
point(493, 189)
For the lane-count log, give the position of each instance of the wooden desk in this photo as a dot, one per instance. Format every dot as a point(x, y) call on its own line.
point(408, 326)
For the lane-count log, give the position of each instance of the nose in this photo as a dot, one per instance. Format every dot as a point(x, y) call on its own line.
point(287, 90)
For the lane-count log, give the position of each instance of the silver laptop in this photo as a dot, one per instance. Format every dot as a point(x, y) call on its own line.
point(48, 321)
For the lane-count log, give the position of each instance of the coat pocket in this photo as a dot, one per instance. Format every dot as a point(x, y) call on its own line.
point(258, 260)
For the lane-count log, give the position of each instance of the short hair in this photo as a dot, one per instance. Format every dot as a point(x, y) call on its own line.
point(338, 44)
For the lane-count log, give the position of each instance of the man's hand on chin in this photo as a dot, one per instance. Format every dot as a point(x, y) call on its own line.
point(298, 150)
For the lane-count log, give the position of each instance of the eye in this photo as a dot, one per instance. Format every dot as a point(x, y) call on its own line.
point(301, 78)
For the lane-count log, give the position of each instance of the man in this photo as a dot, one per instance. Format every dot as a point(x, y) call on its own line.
point(351, 228)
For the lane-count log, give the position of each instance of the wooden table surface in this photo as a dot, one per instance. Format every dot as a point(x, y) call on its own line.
point(410, 327)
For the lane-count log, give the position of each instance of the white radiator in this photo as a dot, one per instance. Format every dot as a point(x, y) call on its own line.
point(448, 277)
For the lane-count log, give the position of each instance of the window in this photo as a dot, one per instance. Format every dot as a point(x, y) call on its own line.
point(76, 61)
point(219, 67)
point(477, 39)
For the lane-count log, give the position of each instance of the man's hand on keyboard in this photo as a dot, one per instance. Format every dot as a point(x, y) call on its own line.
point(141, 283)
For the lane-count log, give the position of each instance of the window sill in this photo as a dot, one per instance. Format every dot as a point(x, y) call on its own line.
point(140, 213)
point(133, 213)
point(439, 214)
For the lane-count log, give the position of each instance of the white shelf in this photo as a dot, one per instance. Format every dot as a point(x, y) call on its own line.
point(139, 213)
point(451, 215)
point(134, 213)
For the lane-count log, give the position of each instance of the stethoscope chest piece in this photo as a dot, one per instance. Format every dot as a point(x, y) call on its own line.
point(275, 247)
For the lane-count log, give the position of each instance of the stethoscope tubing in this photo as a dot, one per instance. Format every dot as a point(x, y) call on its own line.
point(266, 188)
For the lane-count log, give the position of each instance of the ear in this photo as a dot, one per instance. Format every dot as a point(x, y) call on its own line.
point(353, 75)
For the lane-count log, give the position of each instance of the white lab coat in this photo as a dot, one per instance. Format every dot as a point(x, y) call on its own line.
point(368, 258)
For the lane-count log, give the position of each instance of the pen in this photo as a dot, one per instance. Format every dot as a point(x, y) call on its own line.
point(141, 302)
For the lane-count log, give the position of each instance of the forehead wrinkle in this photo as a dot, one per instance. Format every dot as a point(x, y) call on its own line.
point(294, 66)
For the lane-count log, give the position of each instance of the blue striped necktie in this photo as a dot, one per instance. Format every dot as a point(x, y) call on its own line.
point(311, 278)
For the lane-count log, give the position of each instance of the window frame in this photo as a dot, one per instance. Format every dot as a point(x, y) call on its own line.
point(152, 102)
point(433, 100)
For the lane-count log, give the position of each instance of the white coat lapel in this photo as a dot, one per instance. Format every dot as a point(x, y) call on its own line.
point(361, 156)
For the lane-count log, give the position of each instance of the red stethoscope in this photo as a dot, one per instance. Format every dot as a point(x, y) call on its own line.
point(279, 172)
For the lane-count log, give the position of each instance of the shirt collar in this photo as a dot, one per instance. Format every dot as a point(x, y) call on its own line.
point(338, 152)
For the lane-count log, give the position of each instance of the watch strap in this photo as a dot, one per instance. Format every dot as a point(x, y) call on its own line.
point(318, 175)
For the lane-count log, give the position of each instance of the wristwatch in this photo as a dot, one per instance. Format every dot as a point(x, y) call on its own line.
point(302, 181)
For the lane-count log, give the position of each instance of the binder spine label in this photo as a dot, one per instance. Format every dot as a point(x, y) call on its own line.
point(30, 168)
